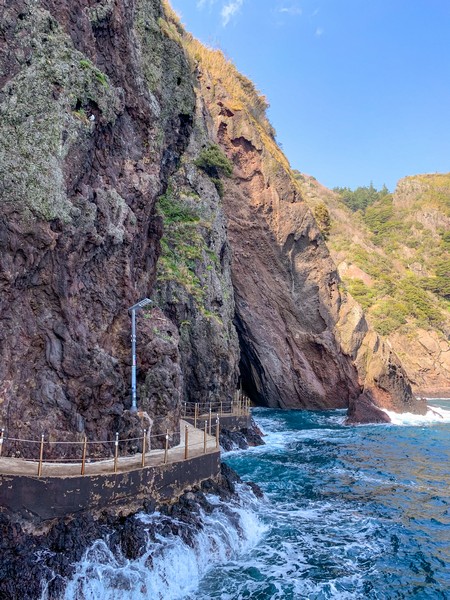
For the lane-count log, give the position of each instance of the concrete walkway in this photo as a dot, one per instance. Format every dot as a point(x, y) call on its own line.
point(20, 466)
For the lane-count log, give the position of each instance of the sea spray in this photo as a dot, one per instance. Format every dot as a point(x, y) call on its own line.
point(434, 415)
point(354, 512)
point(172, 564)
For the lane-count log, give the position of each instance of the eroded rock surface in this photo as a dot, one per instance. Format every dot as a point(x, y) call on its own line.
point(96, 108)
point(304, 343)
point(104, 111)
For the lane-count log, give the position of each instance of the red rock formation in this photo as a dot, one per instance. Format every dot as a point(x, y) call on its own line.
point(97, 109)
point(299, 347)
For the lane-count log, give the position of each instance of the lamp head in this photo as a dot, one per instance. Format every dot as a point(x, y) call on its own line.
point(141, 304)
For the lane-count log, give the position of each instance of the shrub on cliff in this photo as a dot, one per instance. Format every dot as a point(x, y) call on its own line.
point(440, 283)
point(322, 216)
point(214, 163)
point(365, 295)
point(175, 211)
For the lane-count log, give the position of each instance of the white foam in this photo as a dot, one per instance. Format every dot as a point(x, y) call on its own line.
point(434, 415)
point(170, 569)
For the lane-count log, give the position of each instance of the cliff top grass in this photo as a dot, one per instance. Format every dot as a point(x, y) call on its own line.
point(241, 91)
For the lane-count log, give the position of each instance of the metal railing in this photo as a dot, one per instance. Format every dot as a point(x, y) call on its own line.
point(197, 411)
point(195, 442)
point(84, 453)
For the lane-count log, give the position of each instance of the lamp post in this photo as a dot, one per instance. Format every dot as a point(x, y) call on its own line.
point(132, 311)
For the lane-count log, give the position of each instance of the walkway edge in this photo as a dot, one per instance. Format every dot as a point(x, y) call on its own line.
point(46, 498)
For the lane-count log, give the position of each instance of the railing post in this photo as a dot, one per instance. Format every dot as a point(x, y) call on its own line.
point(221, 411)
point(41, 456)
point(83, 460)
point(217, 431)
point(116, 452)
point(144, 440)
point(185, 409)
point(166, 450)
point(186, 442)
point(2, 435)
point(195, 414)
point(210, 420)
point(205, 437)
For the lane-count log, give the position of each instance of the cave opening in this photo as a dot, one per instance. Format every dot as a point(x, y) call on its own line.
point(251, 371)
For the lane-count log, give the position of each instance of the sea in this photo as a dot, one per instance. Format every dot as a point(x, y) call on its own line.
point(348, 512)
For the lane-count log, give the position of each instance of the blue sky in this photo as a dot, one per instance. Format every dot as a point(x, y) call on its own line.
point(359, 90)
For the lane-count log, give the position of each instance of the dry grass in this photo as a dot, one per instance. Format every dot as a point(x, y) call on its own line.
point(241, 93)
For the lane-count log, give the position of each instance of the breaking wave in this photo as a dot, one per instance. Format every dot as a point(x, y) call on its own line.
point(348, 513)
point(172, 566)
point(435, 414)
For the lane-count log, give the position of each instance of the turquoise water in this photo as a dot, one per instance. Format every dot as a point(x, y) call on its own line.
point(350, 512)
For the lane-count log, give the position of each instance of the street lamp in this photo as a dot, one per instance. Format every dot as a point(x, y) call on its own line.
point(133, 310)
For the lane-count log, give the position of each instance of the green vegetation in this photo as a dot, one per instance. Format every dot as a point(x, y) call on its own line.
point(322, 216)
point(174, 211)
point(389, 316)
point(362, 197)
point(391, 303)
point(440, 283)
point(387, 224)
point(99, 75)
point(417, 301)
point(404, 246)
point(214, 163)
point(361, 292)
point(184, 250)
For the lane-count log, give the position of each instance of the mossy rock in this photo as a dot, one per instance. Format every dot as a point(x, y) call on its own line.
point(44, 111)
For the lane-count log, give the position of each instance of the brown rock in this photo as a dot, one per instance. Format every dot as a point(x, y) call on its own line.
point(303, 343)
point(79, 238)
point(363, 410)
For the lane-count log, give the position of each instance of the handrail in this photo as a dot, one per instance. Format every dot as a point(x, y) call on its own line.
point(206, 414)
point(190, 448)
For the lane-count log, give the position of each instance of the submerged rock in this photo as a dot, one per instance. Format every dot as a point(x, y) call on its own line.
point(242, 438)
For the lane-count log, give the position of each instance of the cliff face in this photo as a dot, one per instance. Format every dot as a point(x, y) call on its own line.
point(304, 342)
point(395, 258)
point(104, 114)
point(88, 141)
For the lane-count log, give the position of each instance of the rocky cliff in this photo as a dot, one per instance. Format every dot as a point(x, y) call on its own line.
point(394, 256)
point(113, 188)
point(96, 108)
point(304, 342)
